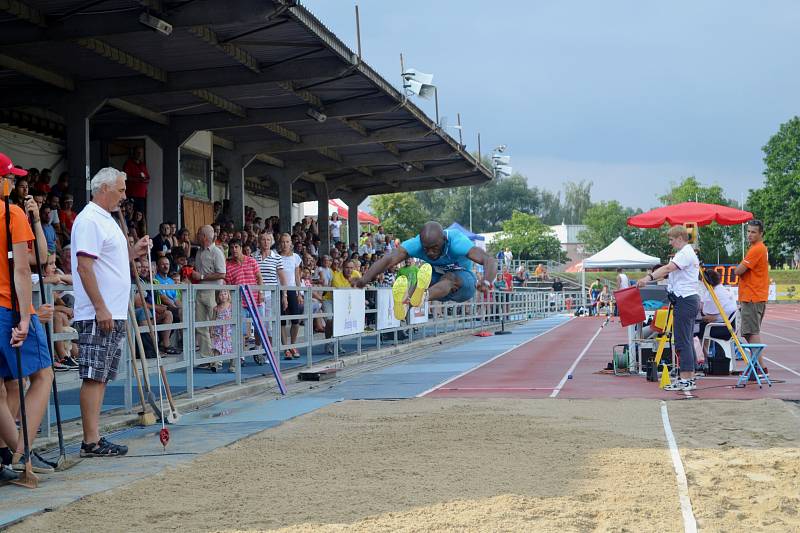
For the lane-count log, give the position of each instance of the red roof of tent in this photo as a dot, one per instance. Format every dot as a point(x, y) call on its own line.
point(697, 212)
point(363, 216)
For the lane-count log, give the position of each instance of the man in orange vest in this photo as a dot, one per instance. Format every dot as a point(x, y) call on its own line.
point(753, 274)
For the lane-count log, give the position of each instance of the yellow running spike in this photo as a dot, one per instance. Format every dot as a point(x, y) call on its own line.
point(423, 282)
point(399, 292)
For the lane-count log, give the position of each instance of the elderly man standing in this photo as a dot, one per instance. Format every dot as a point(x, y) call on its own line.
point(753, 274)
point(209, 269)
point(100, 251)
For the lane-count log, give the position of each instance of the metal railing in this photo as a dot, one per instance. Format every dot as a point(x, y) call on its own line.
point(189, 370)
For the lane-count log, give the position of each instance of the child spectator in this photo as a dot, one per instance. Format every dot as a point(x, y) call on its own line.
point(221, 336)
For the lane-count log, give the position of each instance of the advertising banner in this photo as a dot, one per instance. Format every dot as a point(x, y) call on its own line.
point(419, 315)
point(348, 312)
point(385, 311)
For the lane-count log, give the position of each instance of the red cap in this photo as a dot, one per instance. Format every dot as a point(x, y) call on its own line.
point(7, 167)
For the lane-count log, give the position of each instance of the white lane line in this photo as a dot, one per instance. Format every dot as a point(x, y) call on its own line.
point(575, 364)
point(689, 521)
point(779, 337)
point(774, 362)
point(464, 373)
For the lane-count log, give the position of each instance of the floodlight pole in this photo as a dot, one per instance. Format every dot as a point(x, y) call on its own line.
point(436, 101)
point(358, 33)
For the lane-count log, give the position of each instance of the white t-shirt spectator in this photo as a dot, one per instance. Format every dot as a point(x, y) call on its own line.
point(290, 263)
point(96, 235)
point(683, 282)
point(725, 298)
point(336, 226)
point(622, 281)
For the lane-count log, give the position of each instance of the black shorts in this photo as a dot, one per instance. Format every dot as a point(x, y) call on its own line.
point(293, 308)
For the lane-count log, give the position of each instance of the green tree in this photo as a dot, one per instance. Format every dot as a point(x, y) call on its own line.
point(529, 238)
point(577, 201)
point(777, 204)
point(605, 221)
point(715, 240)
point(400, 213)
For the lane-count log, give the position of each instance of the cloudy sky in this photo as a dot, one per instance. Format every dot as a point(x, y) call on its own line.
point(631, 95)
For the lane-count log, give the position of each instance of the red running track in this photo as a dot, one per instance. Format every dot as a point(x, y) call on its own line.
point(538, 368)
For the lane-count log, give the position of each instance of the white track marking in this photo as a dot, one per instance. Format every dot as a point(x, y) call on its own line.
point(779, 337)
point(774, 362)
point(464, 373)
point(689, 521)
point(575, 364)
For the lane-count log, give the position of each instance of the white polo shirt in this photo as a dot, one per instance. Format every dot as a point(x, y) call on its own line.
point(684, 281)
point(97, 235)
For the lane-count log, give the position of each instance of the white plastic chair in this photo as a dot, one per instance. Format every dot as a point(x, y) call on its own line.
point(728, 345)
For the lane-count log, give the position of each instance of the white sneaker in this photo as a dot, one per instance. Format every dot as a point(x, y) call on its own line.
point(682, 385)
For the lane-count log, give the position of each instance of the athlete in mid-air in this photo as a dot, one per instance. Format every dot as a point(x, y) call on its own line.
point(446, 274)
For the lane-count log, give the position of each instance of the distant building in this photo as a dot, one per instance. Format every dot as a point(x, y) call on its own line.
point(568, 237)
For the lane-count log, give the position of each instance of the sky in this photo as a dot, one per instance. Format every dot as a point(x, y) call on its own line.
point(631, 95)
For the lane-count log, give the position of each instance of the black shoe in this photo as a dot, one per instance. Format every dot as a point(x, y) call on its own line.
point(103, 448)
point(70, 362)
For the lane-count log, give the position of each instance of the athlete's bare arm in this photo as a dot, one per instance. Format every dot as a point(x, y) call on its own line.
point(381, 265)
point(489, 263)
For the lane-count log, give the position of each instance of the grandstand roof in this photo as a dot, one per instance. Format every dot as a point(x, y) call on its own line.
point(251, 71)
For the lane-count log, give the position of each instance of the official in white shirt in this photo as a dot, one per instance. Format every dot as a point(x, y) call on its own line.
point(682, 273)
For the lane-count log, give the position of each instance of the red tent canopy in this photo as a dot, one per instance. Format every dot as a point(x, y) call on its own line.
point(699, 213)
point(363, 216)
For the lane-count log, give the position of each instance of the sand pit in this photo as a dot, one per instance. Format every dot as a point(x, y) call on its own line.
point(479, 465)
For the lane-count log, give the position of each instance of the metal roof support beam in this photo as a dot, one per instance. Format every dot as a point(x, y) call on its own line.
point(36, 72)
point(461, 180)
point(281, 131)
point(221, 103)
point(367, 160)
point(197, 12)
point(333, 140)
point(123, 58)
point(208, 35)
point(410, 186)
point(307, 96)
point(139, 111)
point(23, 11)
point(400, 175)
point(256, 117)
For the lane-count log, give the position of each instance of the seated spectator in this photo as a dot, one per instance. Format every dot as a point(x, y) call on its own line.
point(709, 312)
point(605, 302)
point(521, 276)
point(169, 298)
point(163, 315)
point(66, 216)
point(539, 272)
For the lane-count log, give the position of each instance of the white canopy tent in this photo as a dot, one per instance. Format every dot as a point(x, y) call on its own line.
point(618, 254)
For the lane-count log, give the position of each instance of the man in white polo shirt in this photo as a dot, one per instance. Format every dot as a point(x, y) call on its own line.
point(100, 255)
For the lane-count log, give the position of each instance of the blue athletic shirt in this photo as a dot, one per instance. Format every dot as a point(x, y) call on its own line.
point(454, 253)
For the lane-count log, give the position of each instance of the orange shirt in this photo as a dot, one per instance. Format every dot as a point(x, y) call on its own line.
point(754, 283)
point(20, 232)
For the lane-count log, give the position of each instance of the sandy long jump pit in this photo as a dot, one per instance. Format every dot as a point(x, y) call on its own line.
point(477, 465)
